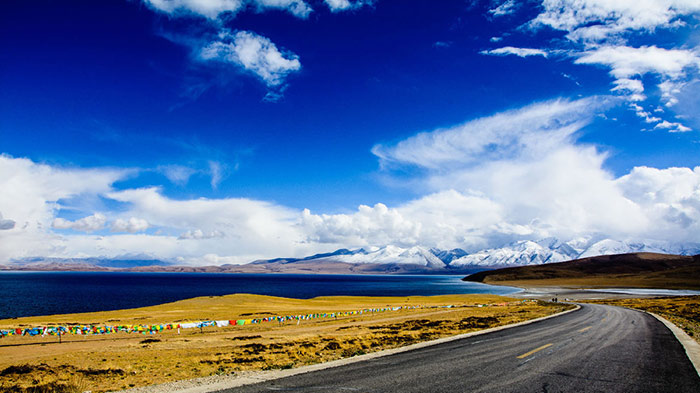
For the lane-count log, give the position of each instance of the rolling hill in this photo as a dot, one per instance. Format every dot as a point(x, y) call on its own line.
point(635, 270)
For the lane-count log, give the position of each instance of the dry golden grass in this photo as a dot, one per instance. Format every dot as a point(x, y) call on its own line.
point(123, 360)
point(683, 311)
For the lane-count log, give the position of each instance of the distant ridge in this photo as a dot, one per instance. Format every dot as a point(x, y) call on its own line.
point(389, 259)
point(638, 270)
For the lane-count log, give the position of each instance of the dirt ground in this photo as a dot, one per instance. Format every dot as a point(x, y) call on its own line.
point(122, 360)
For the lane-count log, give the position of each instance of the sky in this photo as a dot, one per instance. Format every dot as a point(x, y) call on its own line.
point(224, 131)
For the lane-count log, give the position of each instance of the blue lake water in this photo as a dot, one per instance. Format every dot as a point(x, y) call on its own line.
point(43, 293)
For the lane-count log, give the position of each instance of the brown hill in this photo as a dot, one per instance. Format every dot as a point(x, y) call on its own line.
point(637, 270)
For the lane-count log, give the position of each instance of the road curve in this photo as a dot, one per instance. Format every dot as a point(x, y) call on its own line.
point(596, 349)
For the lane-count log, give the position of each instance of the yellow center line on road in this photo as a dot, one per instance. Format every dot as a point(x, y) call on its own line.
point(584, 329)
point(534, 350)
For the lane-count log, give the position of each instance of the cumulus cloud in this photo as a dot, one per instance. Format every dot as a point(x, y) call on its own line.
point(199, 234)
point(253, 53)
point(602, 20)
point(88, 224)
point(527, 164)
point(378, 223)
point(626, 62)
point(252, 227)
point(213, 8)
point(243, 50)
point(132, 225)
point(669, 197)
point(509, 50)
point(6, 224)
point(672, 126)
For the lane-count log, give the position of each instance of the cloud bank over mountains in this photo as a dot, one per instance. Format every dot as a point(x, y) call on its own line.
point(522, 174)
point(517, 175)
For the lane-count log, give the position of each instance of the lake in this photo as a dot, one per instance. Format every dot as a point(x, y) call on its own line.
point(44, 293)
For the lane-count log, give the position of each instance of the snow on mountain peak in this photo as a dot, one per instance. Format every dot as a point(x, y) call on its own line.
point(523, 252)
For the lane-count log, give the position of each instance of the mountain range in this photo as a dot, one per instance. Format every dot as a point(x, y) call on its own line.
point(387, 259)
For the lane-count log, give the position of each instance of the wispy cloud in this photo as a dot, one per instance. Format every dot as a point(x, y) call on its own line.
point(212, 9)
point(599, 32)
point(506, 8)
point(520, 52)
point(217, 172)
point(345, 5)
point(530, 130)
point(177, 174)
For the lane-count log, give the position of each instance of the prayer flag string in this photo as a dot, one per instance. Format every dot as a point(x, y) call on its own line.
point(85, 330)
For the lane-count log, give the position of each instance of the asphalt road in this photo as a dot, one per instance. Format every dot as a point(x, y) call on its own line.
point(596, 349)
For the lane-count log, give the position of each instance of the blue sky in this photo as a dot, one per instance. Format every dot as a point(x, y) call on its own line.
point(202, 130)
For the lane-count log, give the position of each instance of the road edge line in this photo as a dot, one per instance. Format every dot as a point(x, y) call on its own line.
point(210, 384)
point(692, 348)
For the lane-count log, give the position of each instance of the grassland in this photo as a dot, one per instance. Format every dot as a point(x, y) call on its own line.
point(123, 360)
point(683, 311)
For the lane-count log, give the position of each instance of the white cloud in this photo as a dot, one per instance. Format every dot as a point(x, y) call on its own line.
point(506, 8)
point(177, 174)
point(495, 137)
point(345, 5)
point(670, 90)
point(626, 62)
point(252, 227)
point(594, 21)
point(217, 173)
point(297, 7)
point(379, 223)
point(253, 53)
point(599, 33)
point(88, 224)
point(672, 126)
point(527, 164)
point(629, 85)
point(132, 225)
point(519, 174)
point(199, 234)
point(669, 197)
point(213, 8)
point(520, 52)
point(34, 194)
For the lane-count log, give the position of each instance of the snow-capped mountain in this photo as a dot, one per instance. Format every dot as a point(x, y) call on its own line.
point(450, 255)
point(611, 247)
point(524, 252)
point(392, 254)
